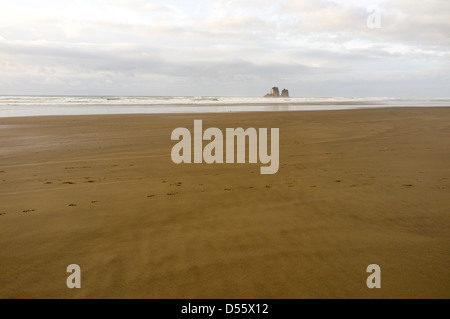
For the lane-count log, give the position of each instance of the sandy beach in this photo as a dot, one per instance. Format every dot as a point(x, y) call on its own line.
point(354, 188)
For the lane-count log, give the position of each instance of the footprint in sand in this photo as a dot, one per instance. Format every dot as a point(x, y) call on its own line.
point(150, 195)
point(170, 194)
point(338, 181)
point(408, 185)
point(68, 183)
point(72, 205)
point(176, 184)
point(290, 184)
point(28, 211)
point(227, 189)
point(48, 183)
point(90, 181)
point(94, 201)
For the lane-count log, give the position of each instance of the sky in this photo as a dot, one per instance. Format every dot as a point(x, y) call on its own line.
point(314, 48)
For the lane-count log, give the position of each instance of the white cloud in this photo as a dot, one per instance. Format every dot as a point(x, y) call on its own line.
point(226, 47)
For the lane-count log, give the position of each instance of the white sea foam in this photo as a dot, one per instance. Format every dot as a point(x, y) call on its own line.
point(11, 106)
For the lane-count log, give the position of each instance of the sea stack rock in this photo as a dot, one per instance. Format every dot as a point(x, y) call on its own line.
point(276, 93)
point(285, 93)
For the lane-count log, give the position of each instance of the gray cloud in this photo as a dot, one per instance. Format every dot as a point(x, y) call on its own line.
point(225, 48)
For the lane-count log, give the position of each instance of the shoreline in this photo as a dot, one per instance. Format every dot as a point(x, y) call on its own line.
point(354, 187)
point(237, 112)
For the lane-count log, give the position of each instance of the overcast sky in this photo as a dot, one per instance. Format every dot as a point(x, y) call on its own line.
point(224, 47)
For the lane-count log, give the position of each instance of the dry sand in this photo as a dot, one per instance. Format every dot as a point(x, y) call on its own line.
point(354, 188)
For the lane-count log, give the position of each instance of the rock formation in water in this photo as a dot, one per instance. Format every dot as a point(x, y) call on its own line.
point(276, 93)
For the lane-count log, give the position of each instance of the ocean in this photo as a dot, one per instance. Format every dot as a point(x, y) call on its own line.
point(18, 106)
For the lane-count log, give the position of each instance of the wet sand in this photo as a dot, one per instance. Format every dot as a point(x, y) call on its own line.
point(354, 187)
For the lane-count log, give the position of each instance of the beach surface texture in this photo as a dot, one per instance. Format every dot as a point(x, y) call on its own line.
point(354, 188)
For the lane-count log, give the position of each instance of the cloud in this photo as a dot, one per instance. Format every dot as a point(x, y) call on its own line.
point(223, 46)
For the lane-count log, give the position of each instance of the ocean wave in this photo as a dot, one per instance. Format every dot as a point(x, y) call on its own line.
point(81, 105)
